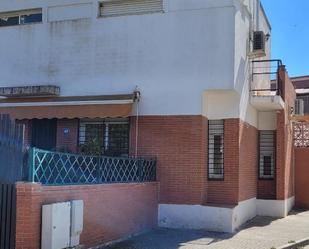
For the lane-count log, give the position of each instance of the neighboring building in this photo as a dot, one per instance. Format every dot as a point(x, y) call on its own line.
point(172, 79)
point(301, 85)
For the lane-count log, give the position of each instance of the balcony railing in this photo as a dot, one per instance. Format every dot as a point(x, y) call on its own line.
point(55, 168)
point(265, 78)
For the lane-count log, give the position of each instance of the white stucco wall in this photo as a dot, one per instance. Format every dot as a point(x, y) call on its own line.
point(217, 219)
point(275, 208)
point(211, 218)
point(172, 57)
point(248, 18)
point(221, 219)
point(267, 121)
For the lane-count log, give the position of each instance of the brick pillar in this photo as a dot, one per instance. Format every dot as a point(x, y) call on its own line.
point(28, 215)
point(285, 146)
point(248, 158)
point(280, 156)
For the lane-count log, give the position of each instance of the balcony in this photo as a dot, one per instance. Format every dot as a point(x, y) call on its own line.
point(266, 85)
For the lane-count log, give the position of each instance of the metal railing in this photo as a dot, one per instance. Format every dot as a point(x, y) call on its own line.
point(55, 168)
point(265, 77)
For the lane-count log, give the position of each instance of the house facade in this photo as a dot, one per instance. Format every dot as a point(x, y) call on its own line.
point(301, 85)
point(173, 79)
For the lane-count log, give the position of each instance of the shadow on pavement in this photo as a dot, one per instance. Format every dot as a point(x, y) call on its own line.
point(170, 239)
point(174, 238)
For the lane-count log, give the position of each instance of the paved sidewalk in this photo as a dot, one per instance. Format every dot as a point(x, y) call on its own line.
point(261, 233)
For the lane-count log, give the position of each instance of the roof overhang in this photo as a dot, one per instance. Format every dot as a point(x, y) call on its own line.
point(102, 106)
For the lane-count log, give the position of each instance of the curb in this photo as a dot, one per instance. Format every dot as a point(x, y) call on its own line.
point(296, 245)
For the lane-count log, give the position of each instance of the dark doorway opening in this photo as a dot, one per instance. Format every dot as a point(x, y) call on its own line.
point(44, 133)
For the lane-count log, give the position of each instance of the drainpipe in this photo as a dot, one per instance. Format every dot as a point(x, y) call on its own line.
point(258, 6)
point(137, 96)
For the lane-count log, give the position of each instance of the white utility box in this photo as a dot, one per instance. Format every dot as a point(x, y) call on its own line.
point(77, 221)
point(56, 225)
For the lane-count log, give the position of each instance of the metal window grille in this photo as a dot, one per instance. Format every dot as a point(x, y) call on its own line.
point(129, 7)
point(216, 149)
point(108, 137)
point(267, 154)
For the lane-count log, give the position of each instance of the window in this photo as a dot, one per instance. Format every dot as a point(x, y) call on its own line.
point(129, 7)
point(216, 149)
point(20, 17)
point(267, 154)
point(108, 137)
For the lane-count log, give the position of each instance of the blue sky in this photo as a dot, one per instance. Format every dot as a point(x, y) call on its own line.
point(290, 33)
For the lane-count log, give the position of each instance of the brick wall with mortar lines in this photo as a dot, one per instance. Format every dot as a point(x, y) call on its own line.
point(266, 189)
point(227, 191)
point(301, 174)
point(180, 145)
point(248, 161)
point(67, 141)
point(111, 211)
point(285, 148)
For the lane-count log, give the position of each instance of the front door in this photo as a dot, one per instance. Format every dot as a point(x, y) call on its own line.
point(44, 132)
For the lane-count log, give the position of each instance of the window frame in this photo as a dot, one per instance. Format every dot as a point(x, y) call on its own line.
point(212, 176)
point(20, 14)
point(105, 122)
point(261, 171)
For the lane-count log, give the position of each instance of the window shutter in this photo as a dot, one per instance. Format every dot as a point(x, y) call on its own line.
point(130, 7)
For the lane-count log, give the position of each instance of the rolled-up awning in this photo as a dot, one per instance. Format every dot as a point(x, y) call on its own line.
point(111, 106)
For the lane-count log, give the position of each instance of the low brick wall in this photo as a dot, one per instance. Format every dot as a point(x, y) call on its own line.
point(111, 211)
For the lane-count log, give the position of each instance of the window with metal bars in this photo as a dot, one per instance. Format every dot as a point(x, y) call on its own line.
point(108, 137)
point(267, 154)
point(20, 17)
point(110, 8)
point(216, 149)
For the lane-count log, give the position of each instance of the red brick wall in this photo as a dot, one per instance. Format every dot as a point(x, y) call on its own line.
point(248, 161)
point(111, 211)
point(302, 176)
point(227, 191)
point(285, 151)
point(179, 143)
point(67, 141)
point(266, 189)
